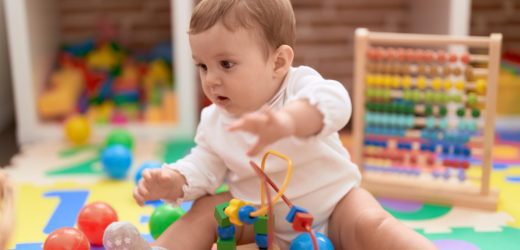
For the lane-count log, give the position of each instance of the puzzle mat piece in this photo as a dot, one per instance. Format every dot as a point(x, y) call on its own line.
point(65, 199)
point(36, 161)
point(469, 239)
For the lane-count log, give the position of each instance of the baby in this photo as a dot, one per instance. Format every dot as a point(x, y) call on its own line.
point(244, 51)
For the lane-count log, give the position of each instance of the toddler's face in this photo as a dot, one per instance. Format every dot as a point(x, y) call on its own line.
point(233, 69)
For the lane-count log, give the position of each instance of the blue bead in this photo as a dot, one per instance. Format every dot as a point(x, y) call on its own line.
point(466, 151)
point(304, 242)
point(243, 214)
point(226, 233)
point(293, 211)
point(261, 240)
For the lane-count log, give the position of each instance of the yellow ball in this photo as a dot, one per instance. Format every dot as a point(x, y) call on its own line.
point(77, 129)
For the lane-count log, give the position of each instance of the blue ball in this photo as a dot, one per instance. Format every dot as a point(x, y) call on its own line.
point(116, 161)
point(304, 242)
point(243, 214)
point(145, 165)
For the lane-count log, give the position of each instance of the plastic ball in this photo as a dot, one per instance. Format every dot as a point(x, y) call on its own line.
point(304, 242)
point(77, 129)
point(116, 161)
point(66, 238)
point(94, 218)
point(162, 217)
point(143, 166)
point(120, 136)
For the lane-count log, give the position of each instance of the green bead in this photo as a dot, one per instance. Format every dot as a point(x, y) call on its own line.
point(472, 99)
point(461, 112)
point(220, 216)
point(475, 113)
point(226, 244)
point(162, 217)
point(443, 111)
point(456, 98)
point(261, 225)
point(121, 137)
point(428, 110)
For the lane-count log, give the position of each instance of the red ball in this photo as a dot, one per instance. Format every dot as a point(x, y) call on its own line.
point(94, 218)
point(66, 238)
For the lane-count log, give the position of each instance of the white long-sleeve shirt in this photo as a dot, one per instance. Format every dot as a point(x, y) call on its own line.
point(322, 170)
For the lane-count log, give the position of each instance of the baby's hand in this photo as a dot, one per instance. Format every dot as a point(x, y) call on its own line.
point(160, 183)
point(270, 126)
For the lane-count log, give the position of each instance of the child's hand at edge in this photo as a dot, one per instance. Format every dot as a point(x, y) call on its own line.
point(270, 126)
point(161, 183)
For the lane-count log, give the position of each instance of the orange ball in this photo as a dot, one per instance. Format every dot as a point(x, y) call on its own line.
point(94, 218)
point(66, 238)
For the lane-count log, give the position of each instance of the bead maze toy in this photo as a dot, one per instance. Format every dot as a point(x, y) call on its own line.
point(424, 112)
point(238, 212)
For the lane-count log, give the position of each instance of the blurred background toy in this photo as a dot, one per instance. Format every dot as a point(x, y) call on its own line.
point(77, 129)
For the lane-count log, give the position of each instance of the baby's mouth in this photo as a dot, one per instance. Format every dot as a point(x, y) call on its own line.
point(221, 100)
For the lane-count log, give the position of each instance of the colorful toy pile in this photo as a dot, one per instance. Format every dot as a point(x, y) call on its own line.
point(110, 85)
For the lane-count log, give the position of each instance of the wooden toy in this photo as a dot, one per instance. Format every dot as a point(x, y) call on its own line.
point(423, 116)
point(238, 212)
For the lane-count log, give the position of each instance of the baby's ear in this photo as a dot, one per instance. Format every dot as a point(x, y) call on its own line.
point(284, 56)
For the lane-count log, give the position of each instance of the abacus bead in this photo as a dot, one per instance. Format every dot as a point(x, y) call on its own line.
point(475, 113)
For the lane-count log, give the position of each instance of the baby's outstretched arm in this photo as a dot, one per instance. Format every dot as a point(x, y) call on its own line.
point(298, 118)
point(163, 183)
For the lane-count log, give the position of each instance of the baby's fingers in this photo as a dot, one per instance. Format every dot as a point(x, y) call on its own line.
point(257, 148)
point(138, 198)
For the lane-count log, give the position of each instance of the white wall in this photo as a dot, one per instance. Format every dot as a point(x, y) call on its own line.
point(6, 96)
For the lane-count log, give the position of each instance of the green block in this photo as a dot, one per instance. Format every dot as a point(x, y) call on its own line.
point(226, 244)
point(220, 216)
point(261, 225)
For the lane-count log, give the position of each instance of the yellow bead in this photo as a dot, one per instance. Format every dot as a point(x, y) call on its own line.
point(232, 210)
point(387, 81)
point(447, 84)
point(459, 85)
point(480, 86)
point(437, 83)
point(421, 82)
point(369, 80)
point(407, 82)
point(396, 82)
point(378, 80)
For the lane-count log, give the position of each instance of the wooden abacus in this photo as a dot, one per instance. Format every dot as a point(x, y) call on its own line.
point(422, 112)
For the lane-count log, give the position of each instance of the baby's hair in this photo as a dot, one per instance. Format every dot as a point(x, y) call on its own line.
point(274, 19)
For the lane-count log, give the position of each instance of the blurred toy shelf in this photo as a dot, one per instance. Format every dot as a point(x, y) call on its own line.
point(36, 49)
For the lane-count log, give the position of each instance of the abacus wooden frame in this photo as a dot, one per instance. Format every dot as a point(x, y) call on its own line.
point(385, 185)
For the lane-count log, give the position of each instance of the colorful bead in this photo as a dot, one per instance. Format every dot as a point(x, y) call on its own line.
point(475, 113)
point(407, 82)
point(232, 210)
point(447, 84)
point(436, 83)
point(472, 99)
point(261, 240)
point(292, 213)
point(220, 216)
point(421, 82)
point(443, 111)
point(443, 124)
point(226, 233)
point(261, 225)
point(480, 86)
point(226, 244)
point(461, 112)
point(302, 221)
point(244, 214)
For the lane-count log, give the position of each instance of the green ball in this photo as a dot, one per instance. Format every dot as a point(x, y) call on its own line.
point(120, 136)
point(162, 217)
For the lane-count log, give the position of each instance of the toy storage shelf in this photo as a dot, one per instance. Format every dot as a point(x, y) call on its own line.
point(34, 39)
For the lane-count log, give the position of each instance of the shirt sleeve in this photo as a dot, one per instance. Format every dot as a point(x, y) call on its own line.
point(329, 96)
point(203, 169)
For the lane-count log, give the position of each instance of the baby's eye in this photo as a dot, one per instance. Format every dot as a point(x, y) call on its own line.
point(226, 64)
point(202, 66)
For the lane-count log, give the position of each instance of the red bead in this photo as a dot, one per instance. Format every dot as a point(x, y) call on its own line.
point(464, 58)
point(391, 54)
point(401, 54)
point(372, 54)
point(383, 54)
point(302, 221)
point(428, 56)
point(441, 56)
point(94, 218)
point(452, 57)
point(410, 55)
point(419, 55)
point(464, 164)
point(430, 160)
